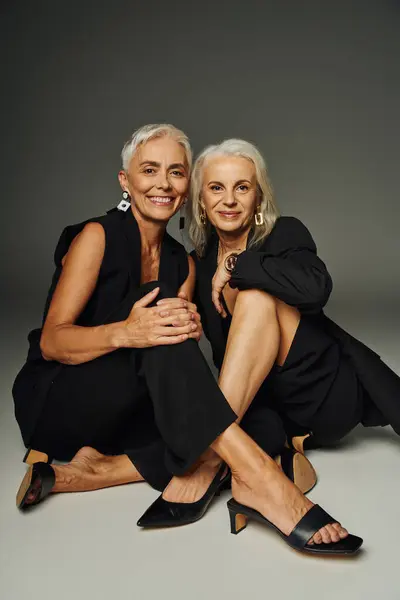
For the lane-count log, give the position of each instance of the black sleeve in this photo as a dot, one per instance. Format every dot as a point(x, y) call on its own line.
point(290, 270)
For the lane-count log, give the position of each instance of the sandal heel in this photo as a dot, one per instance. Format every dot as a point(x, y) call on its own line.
point(39, 480)
point(34, 456)
point(298, 469)
point(305, 477)
point(298, 442)
point(238, 521)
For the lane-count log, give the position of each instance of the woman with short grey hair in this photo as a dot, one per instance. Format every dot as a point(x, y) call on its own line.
point(83, 393)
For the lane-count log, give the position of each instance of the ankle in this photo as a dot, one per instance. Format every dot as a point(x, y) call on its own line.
point(64, 476)
point(211, 458)
point(260, 468)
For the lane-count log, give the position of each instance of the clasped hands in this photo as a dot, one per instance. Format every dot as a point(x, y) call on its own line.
point(171, 321)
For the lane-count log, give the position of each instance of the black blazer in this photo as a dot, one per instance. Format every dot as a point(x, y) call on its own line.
point(286, 266)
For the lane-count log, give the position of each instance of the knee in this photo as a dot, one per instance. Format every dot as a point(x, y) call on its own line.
point(285, 311)
point(256, 298)
point(166, 290)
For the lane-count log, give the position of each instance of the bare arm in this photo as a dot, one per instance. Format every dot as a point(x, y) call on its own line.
point(61, 339)
point(68, 343)
point(187, 287)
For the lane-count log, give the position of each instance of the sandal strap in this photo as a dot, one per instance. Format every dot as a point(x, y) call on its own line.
point(47, 477)
point(312, 522)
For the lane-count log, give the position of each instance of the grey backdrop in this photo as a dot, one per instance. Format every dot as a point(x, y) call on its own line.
point(314, 84)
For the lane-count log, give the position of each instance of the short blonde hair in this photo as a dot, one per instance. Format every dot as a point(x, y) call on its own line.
point(150, 132)
point(199, 233)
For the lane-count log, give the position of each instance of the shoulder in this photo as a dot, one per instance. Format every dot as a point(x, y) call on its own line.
point(290, 231)
point(92, 233)
point(289, 223)
point(92, 224)
point(87, 247)
point(93, 230)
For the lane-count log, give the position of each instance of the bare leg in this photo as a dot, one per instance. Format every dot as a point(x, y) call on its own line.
point(261, 333)
point(259, 483)
point(89, 470)
point(256, 479)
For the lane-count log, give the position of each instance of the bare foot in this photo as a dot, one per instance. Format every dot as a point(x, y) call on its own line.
point(191, 487)
point(280, 501)
point(91, 470)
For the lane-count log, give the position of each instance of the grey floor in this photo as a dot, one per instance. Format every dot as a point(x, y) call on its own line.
point(88, 546)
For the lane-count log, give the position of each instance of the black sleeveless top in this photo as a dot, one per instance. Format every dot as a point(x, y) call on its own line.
point(119, 274)
point(111, 301)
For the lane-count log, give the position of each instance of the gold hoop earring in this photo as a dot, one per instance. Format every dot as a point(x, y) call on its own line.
point(203, 216)
point(259, 217)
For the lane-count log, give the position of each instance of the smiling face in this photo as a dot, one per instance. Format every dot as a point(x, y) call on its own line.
point(157, 179)
point(229, 193)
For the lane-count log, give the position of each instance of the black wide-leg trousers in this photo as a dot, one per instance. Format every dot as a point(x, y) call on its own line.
point(161, 406)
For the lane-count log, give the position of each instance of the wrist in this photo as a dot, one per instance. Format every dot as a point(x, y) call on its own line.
point(119, 335)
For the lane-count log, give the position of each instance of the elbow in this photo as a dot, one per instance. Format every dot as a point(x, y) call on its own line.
point(321, 293)
point(46, 347)
point(317, 294)
point(327, 289)
point(50, 351)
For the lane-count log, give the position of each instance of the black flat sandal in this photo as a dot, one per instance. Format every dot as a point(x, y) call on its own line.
point(312, 522)
point(298, 469)
point(39, 479)
point(173, 514)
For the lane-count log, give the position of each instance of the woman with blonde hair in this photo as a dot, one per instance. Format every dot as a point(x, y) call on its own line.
point(261, 289)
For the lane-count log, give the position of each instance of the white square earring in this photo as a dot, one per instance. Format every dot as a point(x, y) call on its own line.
point(125, 203)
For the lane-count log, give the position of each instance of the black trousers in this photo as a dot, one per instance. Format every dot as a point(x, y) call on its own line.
point(161, 406)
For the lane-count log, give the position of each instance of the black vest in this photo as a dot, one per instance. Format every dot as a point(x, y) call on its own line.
point(120, 271)
point(111, 301)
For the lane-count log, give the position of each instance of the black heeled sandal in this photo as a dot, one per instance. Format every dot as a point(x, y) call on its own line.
point(39, 479)
point(298, 469)
point(312, 522)
point(172, 514)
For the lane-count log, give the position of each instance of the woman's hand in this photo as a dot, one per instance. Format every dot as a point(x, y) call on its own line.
point(219, 281)
point(162, 325)
point(173, 304)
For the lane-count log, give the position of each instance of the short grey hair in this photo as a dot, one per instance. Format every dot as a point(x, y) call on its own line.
point(150, 132)
point(199, 233)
